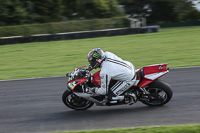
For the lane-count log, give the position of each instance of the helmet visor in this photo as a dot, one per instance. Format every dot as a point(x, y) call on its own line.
point(92, 62)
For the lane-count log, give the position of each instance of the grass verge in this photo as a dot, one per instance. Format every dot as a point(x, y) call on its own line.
point(159, 129)
point(177, 46)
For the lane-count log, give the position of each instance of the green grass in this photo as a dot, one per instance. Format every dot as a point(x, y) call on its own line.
point(180, 47)
point(159, 129)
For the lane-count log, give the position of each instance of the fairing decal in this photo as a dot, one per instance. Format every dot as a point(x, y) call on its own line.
point(73, 83)
point(155, 75)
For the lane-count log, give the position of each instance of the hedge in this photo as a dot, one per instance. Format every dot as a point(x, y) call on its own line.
point(180, 24)
point(68, 26)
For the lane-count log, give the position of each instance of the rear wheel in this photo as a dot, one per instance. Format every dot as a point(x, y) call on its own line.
point(75, 102)
point(160, 94)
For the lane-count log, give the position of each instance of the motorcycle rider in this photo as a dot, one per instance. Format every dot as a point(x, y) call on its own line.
point(113, 68)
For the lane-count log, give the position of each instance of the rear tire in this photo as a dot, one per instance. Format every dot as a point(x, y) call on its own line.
point(75, 102)
point(161, 91)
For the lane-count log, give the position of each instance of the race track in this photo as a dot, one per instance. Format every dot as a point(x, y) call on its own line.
point(35, 105)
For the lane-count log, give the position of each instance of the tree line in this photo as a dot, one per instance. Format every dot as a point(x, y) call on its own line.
point(16, 12)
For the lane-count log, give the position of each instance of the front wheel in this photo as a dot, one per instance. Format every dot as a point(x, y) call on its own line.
point(75, 102)
point(160, 93)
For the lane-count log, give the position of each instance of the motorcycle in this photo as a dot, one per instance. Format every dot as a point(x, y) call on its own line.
point(148, 89)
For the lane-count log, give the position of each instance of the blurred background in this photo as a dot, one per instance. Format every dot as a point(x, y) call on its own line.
point(29, 17)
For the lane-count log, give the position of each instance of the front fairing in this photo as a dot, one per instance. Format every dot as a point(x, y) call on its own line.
point(76, 85)
point(96, 80)
point(79, 79)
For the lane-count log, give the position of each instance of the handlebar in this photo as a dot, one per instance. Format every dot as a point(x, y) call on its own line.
point(80, 71)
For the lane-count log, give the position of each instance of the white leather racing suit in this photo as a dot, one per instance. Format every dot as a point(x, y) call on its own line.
point(115, 68)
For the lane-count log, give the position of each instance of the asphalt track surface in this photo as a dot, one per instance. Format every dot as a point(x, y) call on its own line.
point(35, 105)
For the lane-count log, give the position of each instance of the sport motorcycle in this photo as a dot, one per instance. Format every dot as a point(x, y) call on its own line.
point(148, 89)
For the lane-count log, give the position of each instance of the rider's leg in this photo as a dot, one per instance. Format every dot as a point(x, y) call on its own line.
point(119, 88)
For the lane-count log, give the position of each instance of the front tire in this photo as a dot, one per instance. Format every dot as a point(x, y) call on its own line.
point(160, 92)
point(75, 102)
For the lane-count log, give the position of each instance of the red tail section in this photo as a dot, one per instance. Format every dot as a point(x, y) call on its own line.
point(148, 74)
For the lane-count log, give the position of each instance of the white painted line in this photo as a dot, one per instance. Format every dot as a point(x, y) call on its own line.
point(33, 78)
point(185, 67)
point(64, 76)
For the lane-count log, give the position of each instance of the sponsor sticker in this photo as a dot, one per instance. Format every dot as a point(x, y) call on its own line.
point(99, 60)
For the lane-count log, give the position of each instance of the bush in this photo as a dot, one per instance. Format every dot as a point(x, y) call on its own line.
point(60, 27)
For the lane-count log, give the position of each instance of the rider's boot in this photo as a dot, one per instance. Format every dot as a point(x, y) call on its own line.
point(129, 98)
point(116, 98)
point(112, 97)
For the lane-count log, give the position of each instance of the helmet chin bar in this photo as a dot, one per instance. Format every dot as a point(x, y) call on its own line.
point(96, 65)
